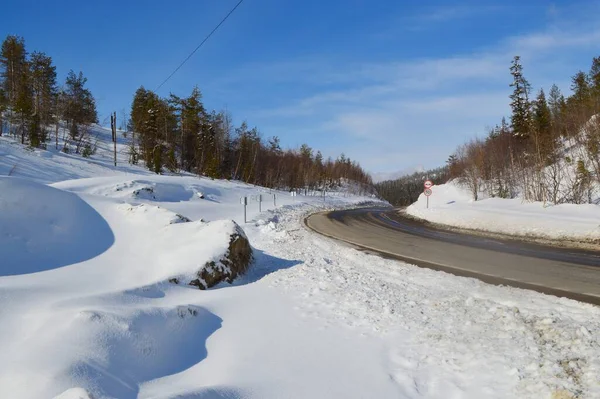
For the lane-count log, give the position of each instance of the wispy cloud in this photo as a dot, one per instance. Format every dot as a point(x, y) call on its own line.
point(396, 114)
point(428, 17)
point(447, 13)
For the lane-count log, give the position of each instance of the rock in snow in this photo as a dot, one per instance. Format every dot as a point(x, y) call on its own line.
point(234, 262)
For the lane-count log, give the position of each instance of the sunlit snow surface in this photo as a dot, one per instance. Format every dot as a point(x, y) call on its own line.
point(93, 315)
point(452, 204)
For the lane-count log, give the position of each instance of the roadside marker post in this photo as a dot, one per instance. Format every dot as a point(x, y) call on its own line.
point(244, 201)
point(275, 200)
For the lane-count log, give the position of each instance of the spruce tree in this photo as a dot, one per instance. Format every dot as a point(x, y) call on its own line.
point(594, 77)
point(582, 92)
point(556, 101)
point(520, 118)
point(542, 118)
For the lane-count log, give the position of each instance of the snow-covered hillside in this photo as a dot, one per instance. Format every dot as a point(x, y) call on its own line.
point(52, 165)
point(87, 309)
point(451, 204)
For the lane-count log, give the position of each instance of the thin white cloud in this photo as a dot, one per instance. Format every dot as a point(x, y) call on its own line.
point(449, 13)
point(380, 111)
point(433, 16)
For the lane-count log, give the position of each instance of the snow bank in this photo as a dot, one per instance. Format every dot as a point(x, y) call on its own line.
point(42, 228)
point(451, 204)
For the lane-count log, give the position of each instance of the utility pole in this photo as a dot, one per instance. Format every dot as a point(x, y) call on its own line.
point(182, 139)
point(113, 128)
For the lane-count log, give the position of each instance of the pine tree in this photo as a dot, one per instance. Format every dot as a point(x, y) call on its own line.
point(521, 108)
point(306, 158)
point(144, 122)
point(211, 144)
point(43, 81)
point(80, 104)
point(23, 105)
point(208, 148)
point(227, 155)
point(319, 168)
point(154, 153)
point(3, 107)
point(13, 61)
point(192, 118)
point(15, 80)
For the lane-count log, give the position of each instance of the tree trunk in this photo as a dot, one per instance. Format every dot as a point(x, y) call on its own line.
point(235, 174)
point(23, 131)
point(252, 166)
point(56, 133)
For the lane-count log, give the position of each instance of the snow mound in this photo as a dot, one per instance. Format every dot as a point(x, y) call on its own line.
point(156, 213)
point(155, 191)
point(146, 344)
point(43, 228)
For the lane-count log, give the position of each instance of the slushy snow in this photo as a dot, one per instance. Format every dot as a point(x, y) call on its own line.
point(89, 313)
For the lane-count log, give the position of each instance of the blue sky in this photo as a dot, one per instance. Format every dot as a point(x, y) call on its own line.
point(393, 84)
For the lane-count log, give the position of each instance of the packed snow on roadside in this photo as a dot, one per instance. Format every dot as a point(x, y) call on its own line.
point(451, 204)
point(87, 309)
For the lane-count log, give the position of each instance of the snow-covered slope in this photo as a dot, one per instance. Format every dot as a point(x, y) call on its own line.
point(451, 204)
point(86, 309)
point(52, 165)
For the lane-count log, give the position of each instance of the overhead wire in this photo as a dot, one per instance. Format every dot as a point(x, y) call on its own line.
point(200, 45)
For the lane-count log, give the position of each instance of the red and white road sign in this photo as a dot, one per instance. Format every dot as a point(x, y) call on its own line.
point(427, 192)
point(428, 184)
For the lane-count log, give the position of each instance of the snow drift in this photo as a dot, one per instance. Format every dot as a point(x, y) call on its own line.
point(42, 228)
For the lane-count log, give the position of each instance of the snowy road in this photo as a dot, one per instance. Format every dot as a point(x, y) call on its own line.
point(562, 272)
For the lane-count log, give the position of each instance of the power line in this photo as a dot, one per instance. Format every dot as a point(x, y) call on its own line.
point(200, 45)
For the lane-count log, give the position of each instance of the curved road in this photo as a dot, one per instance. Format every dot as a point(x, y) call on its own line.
point(570, 273)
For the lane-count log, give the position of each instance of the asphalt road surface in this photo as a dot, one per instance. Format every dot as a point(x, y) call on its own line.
point(570, 273)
